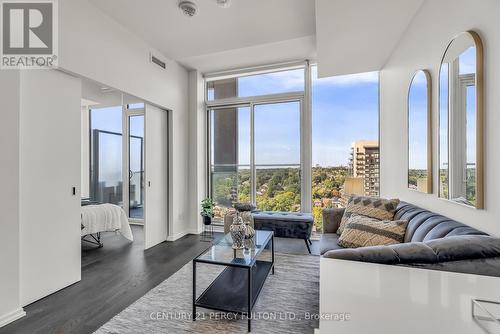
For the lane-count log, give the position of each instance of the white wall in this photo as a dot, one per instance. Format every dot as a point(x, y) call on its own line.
point(94, 46)
point(9, 197)
point(422, 47)
point(197, 148)
point(49, 168)
point(121, 62)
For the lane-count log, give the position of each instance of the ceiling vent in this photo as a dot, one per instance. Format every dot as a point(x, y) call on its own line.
point(223, 3)
point(106, 90)
point(188, 8)
point(157, 61)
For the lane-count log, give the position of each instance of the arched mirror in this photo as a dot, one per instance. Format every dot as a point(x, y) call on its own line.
point(419, 133)
point(461, 121)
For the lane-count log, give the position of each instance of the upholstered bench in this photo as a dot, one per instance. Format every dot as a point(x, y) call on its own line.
point(286, 224)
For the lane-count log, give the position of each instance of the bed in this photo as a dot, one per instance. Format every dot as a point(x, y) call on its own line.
point(97, 218)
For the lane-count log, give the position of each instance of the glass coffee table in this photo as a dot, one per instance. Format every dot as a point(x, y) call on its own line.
point(237, 287)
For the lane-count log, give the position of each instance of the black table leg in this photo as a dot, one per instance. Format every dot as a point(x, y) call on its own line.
point(272, 253)
point(307, 244)
point(194, 290)
point(250, 297)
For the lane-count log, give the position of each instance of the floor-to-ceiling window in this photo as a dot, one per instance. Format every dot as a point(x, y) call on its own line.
point(255, 140)
point(277, 156)
point(230, 156)
point(261, 140)
point(345, 132)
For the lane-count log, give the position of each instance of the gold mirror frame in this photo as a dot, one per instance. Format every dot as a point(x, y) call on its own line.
point(479, 83)
point(428, 81)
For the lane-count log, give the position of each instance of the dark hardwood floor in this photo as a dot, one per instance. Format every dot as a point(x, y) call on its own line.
point(113, 277)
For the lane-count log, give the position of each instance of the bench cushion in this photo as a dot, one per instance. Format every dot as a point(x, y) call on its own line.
point(286, 216)
point(285, 224)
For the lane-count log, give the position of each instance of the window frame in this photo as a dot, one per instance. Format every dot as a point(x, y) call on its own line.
point(305, 99)
point(252, 101)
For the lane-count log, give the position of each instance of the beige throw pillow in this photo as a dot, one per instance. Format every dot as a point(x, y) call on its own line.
point(363, 232)
point(372, 207)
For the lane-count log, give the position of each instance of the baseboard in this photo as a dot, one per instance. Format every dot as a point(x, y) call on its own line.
point(192, 231)
point(195, 232)
point(11, 316)
point(176, 236)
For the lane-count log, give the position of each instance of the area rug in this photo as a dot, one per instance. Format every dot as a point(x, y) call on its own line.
point(288, 303)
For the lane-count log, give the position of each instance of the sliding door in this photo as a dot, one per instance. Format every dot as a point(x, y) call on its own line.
point(135, 164)
point(50, 178)
point(156, 176)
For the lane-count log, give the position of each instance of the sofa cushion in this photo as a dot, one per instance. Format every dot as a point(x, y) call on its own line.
point(373, 207)
point(424, 225)
point(451, 249)
point(415, 252)
point(364, 231)
point(329, 241)
point(374, 254)
point(465, 247)
point(331, 219)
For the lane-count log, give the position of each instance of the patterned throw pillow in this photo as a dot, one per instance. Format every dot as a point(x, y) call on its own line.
point(363, 232)
point(372, 207)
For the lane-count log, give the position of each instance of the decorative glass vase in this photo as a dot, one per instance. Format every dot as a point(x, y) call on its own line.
point(247, 218)
point(238, 230)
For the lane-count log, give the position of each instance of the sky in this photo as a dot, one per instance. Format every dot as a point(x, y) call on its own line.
point(345, 109)
point(110, 152)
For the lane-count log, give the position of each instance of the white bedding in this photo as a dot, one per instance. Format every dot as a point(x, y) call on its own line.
point(105, 218)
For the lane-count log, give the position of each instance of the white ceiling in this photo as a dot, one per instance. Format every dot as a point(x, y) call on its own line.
point(356, 36)
point(246, 23)
point(344, 36)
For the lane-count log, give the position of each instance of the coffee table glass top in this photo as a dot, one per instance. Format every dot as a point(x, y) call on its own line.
point(223, 253)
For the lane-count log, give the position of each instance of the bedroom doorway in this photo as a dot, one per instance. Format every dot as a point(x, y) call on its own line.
point(124, 164)
point(135, 162)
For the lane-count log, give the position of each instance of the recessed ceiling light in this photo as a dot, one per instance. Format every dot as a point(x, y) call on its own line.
point(189, 8)
point(223, 3)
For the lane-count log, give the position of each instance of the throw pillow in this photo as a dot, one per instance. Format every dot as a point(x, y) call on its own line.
point(363, 232)
point(372, 207)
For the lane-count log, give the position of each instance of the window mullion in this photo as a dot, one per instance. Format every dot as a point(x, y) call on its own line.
point(253, 196)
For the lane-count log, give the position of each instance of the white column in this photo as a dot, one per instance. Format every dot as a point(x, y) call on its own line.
point(306, 142)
